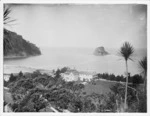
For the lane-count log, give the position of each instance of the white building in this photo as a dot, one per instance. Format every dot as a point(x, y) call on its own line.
point(70, 76)
point(87, 76)
point(73, 75)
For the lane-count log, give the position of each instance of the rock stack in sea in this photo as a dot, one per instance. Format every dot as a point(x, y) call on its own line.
point(100, 51)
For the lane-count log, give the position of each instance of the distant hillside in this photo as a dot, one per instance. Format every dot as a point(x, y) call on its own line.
point(16, 46)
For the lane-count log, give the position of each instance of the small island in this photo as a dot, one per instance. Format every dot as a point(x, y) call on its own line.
point(100, 51)
point(17, 47)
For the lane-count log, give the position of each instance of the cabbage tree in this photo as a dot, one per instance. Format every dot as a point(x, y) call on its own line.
point(7, 21)
point(126, 51)
point(143, 66)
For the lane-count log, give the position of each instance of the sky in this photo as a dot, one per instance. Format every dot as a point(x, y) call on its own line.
point(74, 25)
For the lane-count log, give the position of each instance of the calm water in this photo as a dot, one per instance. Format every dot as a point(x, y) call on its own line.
point(79, 58)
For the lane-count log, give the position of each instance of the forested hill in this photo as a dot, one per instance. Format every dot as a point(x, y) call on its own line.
point(16, 46)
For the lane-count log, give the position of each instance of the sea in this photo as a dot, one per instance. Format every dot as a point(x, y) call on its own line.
point(81, 59)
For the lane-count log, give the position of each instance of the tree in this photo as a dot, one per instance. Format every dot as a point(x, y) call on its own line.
point(7, 20)
point(126, 51)
point(20, 74)
point(57, 74)
point(143, 66)
point(136, 80)
point(64, 69)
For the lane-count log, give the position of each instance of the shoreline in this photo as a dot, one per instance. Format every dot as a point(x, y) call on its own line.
point(9, 57)
point(14, 57)
point(24, 70)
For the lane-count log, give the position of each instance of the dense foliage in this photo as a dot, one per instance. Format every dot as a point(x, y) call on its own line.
point(135, 79)
point(15, 45)
point(36, 92)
